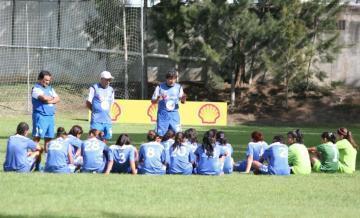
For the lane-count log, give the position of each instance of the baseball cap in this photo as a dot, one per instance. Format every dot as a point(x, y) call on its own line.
point(106, 75)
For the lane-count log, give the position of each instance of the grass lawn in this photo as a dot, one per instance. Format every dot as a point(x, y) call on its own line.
point(236, 195)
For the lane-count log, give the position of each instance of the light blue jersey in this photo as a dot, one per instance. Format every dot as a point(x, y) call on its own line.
point(209, 165)
point(101, 100)
point(122, 156)
point(57, 157)
point(228, 161)
point(39, 106)
point(94, 158)
point(254, 149)
point(168, 115)
point(181, 160)
point(192, 146)
point(277, 158)
point(75, 144)
point(152, 158)
point(16, 154)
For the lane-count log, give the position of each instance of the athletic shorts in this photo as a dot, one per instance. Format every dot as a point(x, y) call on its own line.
point(43, 126)
point(264, 169)
point(106, 128)
point(167, 120)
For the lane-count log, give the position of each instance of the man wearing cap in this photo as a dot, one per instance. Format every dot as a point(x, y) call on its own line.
point(99, 102)
point(167, 95)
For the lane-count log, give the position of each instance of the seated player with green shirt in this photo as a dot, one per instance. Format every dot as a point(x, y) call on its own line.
point(299, 160)
point(325, 157)
point(348, 150)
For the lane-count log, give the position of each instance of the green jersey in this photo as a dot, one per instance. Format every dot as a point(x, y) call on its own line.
point(329, 157)
point(299, 159)
point(347, 158)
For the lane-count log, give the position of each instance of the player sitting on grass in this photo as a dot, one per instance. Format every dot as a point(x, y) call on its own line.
point(22, 153)
point(168, 140)
point(74, 140)
point(276, 155)
point(347, 149)
point(181, 157)
point(299, 160)
point(223, 143)
point(152, 156)
point(255, 150)
point(122, 156)
point(191, 139)
point(209, 155)
point(59, 155)
point(92, 151)
point(325, 157)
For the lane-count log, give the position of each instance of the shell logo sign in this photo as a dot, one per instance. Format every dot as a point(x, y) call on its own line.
point(115, 111)
point(191, 113)
point(209, 113)
point(152, 112)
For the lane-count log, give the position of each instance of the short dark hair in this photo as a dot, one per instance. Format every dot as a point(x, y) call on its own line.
point(43, 73)
point(171, 74)
point(60, 131)
point(151, 136)
point(21, 128)
point(75, 130)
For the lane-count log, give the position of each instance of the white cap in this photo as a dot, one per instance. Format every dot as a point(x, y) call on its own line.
point(106, 75)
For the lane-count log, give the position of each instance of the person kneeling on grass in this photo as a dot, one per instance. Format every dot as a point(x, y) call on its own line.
point(181, 156)
point(59, 157)
point(228, 160)
point(347, 149)
point(276, 155)
point(325, 157)
point(93, 152)
point(152, 156)
point(209, 155)
point(122, 156)
point(22, 153)
point(299, 159)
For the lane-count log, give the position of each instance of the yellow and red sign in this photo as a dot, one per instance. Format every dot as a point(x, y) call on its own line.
point(191, 113)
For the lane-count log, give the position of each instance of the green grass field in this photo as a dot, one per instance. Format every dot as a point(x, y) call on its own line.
point(236, 195)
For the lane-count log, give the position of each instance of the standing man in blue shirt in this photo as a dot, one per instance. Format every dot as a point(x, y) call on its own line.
point(101, 97)
point(44, 99)
point(167, 95)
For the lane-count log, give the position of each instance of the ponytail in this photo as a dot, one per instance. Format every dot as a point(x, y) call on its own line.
point(329, 136)
point(179, 139)
point(208, 144)
point(348, 135)
point(297, 135)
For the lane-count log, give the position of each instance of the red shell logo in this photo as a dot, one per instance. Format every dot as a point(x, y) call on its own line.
point(152, 112)
point(209, 113)
point(115, 111)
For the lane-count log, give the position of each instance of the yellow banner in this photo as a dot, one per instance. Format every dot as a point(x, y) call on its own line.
point(191, 113)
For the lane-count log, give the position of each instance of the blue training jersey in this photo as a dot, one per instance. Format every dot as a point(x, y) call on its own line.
point(57, 157)
point(171, 96)
point(181, 160)
point(256, 149)
point(75, 144)
point(228, 161)
point(277, 158)
point(209, 165)
point(122, 156)
point(39, 106)
point(193, 146)
point(152, 158)
point(101, 104)
point(94, 159)
point(16, 153)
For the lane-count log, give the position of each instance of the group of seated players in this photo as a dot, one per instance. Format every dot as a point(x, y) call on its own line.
point(180, 153)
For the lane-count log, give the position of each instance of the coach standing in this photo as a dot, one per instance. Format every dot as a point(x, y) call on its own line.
point(101, 97)
point(167, 95)
point(44, 99)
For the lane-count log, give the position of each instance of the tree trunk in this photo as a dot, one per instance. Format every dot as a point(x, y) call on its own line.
point(232, 94)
